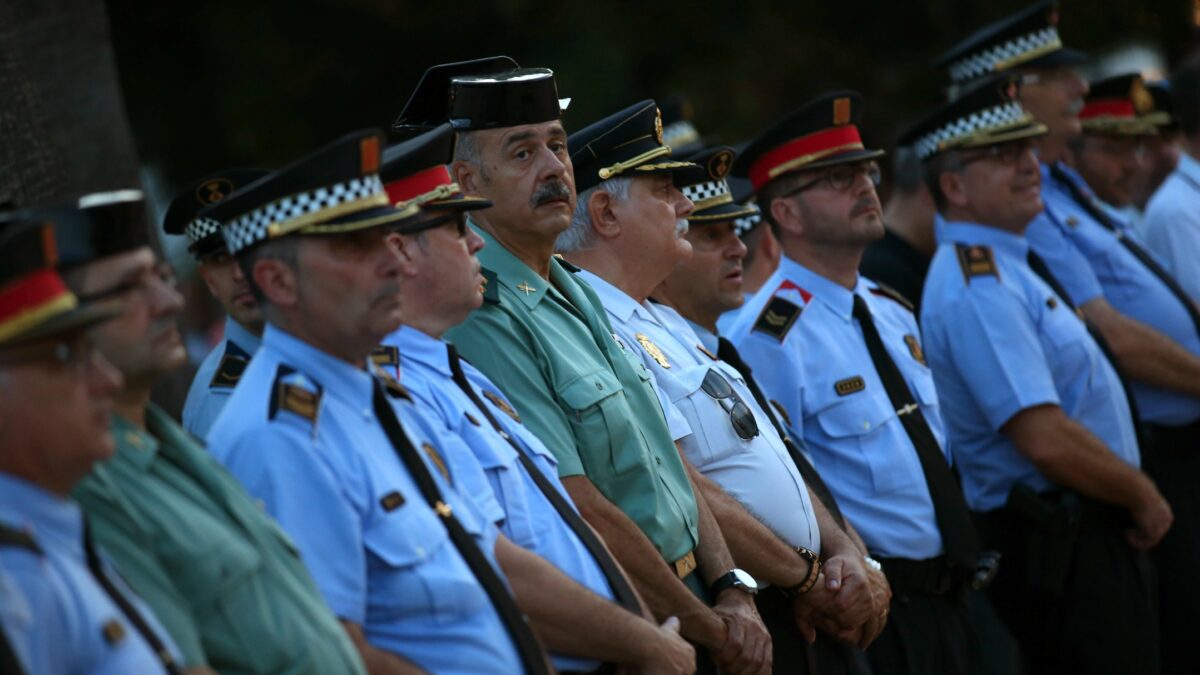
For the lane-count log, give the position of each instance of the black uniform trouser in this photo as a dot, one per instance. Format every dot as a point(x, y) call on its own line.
point(1172, 458)
point(926, 633)
point(792, 654)
point(1104, 618)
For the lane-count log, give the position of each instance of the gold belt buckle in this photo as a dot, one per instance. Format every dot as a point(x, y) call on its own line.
point(685, 565)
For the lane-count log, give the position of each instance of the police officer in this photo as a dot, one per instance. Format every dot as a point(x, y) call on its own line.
point(222, 367)
point(222, 578)
point(547, 345)
point(441, 284)
point(62, 608)
point(628, 234)
point(843, 356)
point(1037, 417)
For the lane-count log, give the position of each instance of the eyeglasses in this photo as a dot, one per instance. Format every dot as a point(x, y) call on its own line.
point(1008, 153)
point(76, 354)
point(740, 415)
point(1118, 148)
point(842, 177)
point(162, 273)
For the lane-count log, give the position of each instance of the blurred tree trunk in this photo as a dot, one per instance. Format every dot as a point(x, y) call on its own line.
point(63, 129)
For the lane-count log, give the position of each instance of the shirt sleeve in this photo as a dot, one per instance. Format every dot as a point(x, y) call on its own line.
point(995, 349)
point(1173, 233)
point(510, 357)
point(1064, 260)
point(286, 470)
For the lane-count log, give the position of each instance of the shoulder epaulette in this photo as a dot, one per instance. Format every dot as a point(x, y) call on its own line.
point(567, 265)
point(491, 286)
point(229, 370)
point(888, 292)
point(976, 261)
point(11, 536)
point(295, 393)
point(777, 317)
point(386, 356)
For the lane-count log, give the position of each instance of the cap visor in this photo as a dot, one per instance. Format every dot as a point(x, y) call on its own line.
point(460, 203)
point(1059, 57)
point(362, 220)
point(843, 158)
point(1030, 131)
point(723, 212)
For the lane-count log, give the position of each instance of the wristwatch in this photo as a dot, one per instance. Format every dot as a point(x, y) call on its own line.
point(734, 578)
point(814, 571)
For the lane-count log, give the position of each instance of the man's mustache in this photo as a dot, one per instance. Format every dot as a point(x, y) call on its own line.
point(550, 192)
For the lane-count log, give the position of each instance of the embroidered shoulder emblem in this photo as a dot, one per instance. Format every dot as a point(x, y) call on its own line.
point(892, 294)
point(229, 370)
point(850, 385)
point(976, 261)
point(490, 288)
point(438, 463)
point(295, 393)
point(653, 350)
point(502, 405)
point(777, 318)
point(914, 348)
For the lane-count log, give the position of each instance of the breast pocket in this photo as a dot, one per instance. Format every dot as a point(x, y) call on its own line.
point(210, 567)
point(711, 419)
point(1065, 341)
point(855, 423)
point(599, 413)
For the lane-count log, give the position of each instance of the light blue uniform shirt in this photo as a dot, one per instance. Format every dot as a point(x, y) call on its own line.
point(526, 517)
point(1000, 343)
point(56, 615)
point(1172, 224)
point(856, 439)
point(1089, 261)
point(210, 389)
point(758, 473)
point(324, 468)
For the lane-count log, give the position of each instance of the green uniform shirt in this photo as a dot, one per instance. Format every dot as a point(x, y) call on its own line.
point(551, 349)
point(221, 577)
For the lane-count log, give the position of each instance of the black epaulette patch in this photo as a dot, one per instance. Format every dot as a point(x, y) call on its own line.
point(892, 294)
point(566, 265)
point(976, 261)
point(229, 371)
point(11, 536)
point(777, 318)
point(294, 393)
point(490, 287)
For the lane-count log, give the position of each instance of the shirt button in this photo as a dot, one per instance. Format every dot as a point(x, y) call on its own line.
point(659, 460)
point(367, 414)
point(600, 386)
point(866, 425)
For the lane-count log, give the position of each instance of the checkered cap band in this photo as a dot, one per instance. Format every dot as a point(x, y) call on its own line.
point(201, 228)
point(987, 61)
point(743, 225)
point(700, 194)
point(986, 120)
point(250, 228)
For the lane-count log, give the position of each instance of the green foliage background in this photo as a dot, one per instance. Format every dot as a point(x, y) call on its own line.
point(259, 82)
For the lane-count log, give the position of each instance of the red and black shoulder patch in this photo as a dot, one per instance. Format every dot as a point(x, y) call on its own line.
point(777, 317)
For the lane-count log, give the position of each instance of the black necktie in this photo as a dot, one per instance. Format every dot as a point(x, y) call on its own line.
point(1040, 268)
point(1133, 247)
point(616, 580)
point(729, 354)
point(949, 507)
point(131, 614)
point(8, 657)
point(510, 615)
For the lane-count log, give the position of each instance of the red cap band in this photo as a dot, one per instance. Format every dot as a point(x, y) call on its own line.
point(1112, 107)
point(804, 150)
point(419, 183)
point(30, 297)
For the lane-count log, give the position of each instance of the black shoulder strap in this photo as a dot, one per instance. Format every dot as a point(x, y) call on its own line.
point(8, 657)
point(11, 536)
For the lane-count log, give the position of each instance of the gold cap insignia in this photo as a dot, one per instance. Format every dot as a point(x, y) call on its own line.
point(658, 129)
point(212, 191)
point(1143, 101)
point(368, 153)
point(841, 111)
point(718, 164)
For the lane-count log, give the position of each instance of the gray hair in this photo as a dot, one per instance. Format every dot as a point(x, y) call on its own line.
point(579, 235)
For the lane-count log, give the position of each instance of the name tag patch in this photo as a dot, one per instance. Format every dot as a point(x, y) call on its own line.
point(391, 501)
point(850, 385)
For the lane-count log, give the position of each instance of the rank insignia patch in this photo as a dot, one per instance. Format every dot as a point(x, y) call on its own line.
point(230, 370)
point(777, 318)
point(502, 405)
point(914, 348)
point(386, 356)
point(295, 393)
point(432, 453)
point(976, 261)
point(850, 385)
point(653, 350)
point(490, 287)
point(391, 501)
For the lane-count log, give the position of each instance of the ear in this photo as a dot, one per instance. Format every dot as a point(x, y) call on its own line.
point(406, 248)
point(788, 215)
point(600, 207)
point(954, 188)
point(278, 282)
point(465, 175)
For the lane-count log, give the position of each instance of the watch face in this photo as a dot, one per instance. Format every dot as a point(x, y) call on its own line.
point(743, 577)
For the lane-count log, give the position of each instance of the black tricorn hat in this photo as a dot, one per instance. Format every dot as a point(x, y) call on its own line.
point(414, 173)
point(989, 114)
point(822, 133)
point(1028, 39)
point(488, 93)
point(626, 143)
point(709, 191)
point(332, 190)
point(1163, 114)
point(204, 234)
point(99, 225)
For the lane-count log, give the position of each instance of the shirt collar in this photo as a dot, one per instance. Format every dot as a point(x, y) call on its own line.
point(515, 275)
point(836, 297)
point(959, 232)
point(1189, 167)
point(238, 335)
point(336, 377)
point(51, 520)
point(421, 348)
point(707, 337)
point(616, 301)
